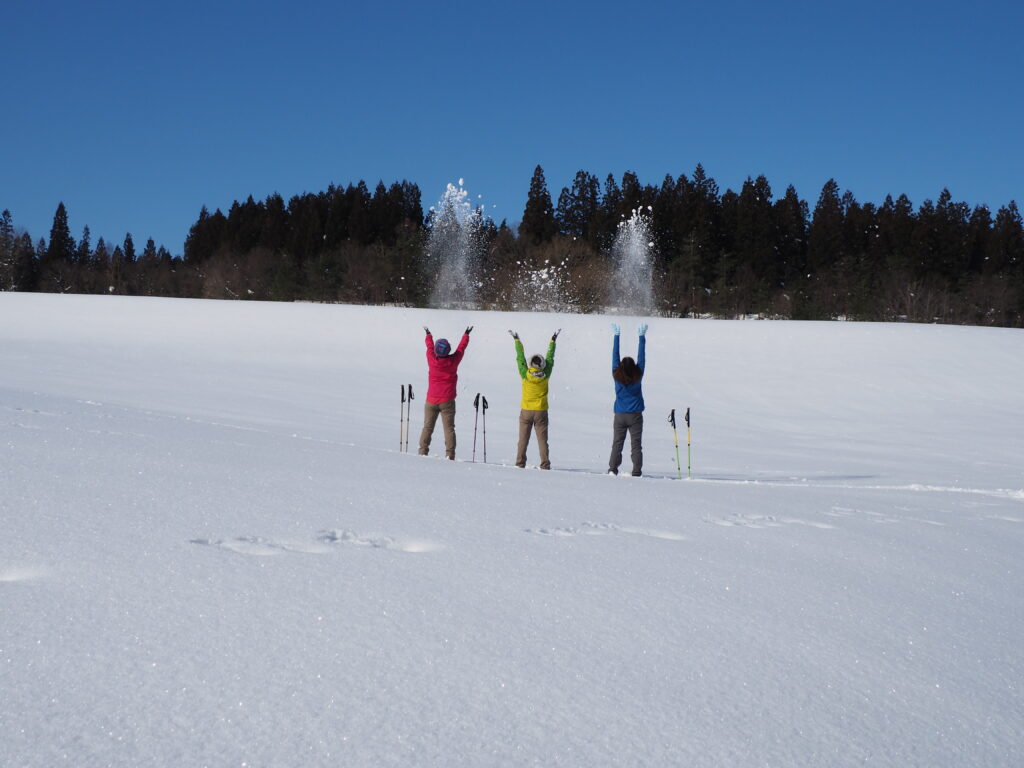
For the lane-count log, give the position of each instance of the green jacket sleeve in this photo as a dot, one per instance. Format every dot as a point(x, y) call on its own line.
point(549, 364)
point(521, 359)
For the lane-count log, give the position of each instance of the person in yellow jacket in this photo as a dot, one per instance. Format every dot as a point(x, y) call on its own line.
point(533, 414)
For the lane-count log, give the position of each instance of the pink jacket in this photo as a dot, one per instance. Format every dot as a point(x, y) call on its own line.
point(443, 371)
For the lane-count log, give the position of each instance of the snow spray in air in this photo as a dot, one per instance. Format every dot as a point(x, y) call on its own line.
point(633, 256)
point(454, 250)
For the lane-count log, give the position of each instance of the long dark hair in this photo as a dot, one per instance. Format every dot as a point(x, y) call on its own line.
point(628, 372)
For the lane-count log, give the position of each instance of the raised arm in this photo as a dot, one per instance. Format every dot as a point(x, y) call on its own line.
point(520, 358)
point(461, 349)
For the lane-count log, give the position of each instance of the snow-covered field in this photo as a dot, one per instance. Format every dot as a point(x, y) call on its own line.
point(214, 554)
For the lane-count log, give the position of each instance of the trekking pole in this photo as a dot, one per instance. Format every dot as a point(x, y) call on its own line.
point(401, 421)
point(476, 418)
point(484, 402)
point(675, 434)
point(688, 474)
point(408, 419)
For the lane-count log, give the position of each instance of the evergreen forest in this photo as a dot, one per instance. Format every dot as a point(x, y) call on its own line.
point(716, 254)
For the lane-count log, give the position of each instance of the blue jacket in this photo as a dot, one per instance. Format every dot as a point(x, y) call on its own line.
point(629, 399)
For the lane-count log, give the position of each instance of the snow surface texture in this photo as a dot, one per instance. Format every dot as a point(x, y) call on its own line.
point(215, 555)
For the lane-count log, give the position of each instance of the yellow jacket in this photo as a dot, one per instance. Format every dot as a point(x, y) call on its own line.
point(535, 380)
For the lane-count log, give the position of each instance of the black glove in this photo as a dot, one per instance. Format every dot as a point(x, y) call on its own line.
point(427, 330)
point(554, 336)
point(513, 334)
point(469, 328)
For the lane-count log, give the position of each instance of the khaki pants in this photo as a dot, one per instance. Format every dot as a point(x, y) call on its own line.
point(634, 424)
point(529, 420)
point(430, 414)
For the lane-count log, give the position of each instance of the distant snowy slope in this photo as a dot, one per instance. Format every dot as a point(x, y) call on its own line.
point(214, 554)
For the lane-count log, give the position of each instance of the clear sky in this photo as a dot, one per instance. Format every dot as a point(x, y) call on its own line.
point(136, 114)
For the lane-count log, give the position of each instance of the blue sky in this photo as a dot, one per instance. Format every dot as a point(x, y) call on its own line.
point(136, 116)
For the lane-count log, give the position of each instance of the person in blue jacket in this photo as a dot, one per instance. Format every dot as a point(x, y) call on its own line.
point(629, 404)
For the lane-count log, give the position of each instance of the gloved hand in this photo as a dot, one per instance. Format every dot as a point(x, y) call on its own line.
point(642, 329)
point(513, 334)
point(427, 330)
point(554, 336)
point(468, 329)
point(615, 328)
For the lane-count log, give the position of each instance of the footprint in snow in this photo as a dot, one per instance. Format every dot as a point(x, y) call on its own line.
point(882, 519)
point(341, 536)
point(15, 573)
point(325, 543)
point(764, 521)
point(600, 529)
point(1005, 518)
point(243, 545)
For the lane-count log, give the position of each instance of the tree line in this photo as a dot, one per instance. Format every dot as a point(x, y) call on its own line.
point(715, 253)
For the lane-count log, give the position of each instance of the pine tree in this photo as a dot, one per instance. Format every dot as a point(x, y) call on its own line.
point(825, 236)
point(274, 227)
point(1006, 247)
point(101, 256)
point(62, 244)
point(539, 224)
point(951, 256)
point(129, 249)
point(632, 195)
point(790, 214)
point(83, 253)
point(755, 232)
point(26, 264)
point(6, 232)
point(579, 207)
point(204, 237)
point(896, 225)
point(979, 230)
point(6, 251)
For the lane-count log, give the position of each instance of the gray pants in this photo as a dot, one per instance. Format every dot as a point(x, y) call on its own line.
point(634, 423)
point(430, 414)
point(529, 420)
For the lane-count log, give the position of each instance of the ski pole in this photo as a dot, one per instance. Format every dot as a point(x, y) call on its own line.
point(408, 419)
point(675, 434)
point(476, 418)
point(401, 421)
point(484, 403)
point(688, 474)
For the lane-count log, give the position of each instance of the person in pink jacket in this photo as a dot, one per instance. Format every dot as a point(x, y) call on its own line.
point(443, 377)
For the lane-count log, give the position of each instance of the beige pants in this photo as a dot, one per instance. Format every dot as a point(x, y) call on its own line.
point(529, 420)
point(430, 414)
